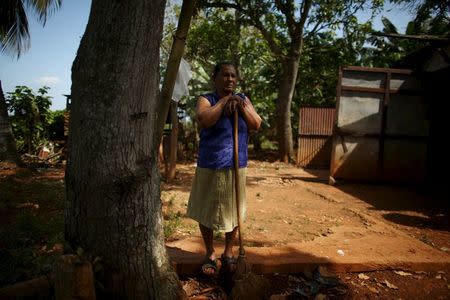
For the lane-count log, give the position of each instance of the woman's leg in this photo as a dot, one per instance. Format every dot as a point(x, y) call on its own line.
point(207, 235)
point(228, 261)
point(229, 242)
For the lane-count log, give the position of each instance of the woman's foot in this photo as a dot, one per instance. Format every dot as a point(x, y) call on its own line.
point(209, 266)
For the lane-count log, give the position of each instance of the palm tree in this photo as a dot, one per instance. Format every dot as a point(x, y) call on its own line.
point(390, 49)
point(14, 32)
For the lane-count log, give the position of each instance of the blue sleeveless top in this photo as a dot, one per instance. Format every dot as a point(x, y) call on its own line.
point(216, 142)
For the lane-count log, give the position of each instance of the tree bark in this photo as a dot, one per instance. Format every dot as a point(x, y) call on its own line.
point(8, 151)
point(113, 207)
point(283, 105)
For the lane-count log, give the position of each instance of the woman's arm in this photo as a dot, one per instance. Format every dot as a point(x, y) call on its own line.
point(250, 115)
point(207, 114)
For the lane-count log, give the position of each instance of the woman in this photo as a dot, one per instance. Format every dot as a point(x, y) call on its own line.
point(212, 200)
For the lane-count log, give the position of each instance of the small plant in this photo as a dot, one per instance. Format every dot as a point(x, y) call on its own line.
point(171, 222)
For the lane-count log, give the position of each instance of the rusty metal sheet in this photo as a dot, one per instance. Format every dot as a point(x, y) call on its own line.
point(314, 142)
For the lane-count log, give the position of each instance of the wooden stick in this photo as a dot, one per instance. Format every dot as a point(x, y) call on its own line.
point(236, 181)
point(422, 37)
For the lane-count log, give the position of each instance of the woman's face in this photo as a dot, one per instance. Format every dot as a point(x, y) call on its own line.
point(225, 80)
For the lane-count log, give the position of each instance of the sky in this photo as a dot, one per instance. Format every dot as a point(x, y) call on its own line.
point(49, 60)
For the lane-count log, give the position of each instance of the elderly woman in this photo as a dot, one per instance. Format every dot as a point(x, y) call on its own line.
point(212, 200)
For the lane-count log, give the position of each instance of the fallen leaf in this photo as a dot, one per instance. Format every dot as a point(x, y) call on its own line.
point(373, 290)
point(363, 276)
point(420, 272)
point(390, 285)
point(401, 273)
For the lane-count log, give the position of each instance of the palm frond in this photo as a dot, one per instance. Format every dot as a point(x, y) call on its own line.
point(411, 28)
point(14, 33)
point(388, 26)
point(43, 8)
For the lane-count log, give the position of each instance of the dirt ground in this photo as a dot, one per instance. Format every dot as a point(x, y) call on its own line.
point(285, 205)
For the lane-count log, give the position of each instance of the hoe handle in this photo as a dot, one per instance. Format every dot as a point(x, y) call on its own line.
point(236, 182)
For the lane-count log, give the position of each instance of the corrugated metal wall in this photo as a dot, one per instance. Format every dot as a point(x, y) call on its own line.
point(314, 140)
point(382, 127)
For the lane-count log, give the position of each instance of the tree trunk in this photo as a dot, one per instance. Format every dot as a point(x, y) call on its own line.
point(170, 175)
point(285, 93)
point(8, 150)
point(113, 207)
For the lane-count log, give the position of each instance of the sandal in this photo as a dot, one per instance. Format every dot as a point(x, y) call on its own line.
point(229, 264)
point(208, 263)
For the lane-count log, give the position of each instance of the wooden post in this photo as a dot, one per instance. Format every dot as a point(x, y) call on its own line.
point(74, 279)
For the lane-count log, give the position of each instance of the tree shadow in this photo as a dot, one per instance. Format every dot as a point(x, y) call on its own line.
point(436, 222)
point(406, 205)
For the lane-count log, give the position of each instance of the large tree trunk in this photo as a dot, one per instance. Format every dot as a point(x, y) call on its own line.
point(285, 93)
point(8, 150)
point(113, 207)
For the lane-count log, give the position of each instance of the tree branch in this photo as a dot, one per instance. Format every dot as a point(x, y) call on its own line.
point(306, 6)
point(287, 8)
point(253, 19)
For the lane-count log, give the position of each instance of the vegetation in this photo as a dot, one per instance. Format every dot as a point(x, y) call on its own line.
point(32, 233)
point(33, 123)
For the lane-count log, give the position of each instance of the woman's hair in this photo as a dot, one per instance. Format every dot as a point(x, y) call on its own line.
point(219, 65)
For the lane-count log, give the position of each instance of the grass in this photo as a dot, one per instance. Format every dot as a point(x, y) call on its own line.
point(27, 235)
point(171, 222)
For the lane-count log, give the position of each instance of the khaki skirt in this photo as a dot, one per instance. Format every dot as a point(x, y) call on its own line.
point(212, 201)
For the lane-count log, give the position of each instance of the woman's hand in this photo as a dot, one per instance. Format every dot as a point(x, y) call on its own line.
point(234, 102)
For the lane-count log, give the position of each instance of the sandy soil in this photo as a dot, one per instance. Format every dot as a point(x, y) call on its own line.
point(287, 204)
